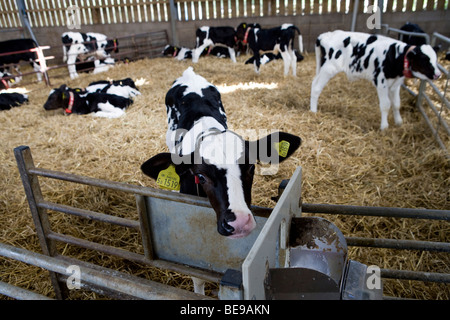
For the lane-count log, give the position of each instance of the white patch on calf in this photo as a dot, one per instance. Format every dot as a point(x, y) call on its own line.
point(224, 150)
point(108, 111)
point(194, 82)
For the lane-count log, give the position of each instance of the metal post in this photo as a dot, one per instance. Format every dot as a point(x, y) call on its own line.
point(355, 13)
point(24, 18)
point(173, 20)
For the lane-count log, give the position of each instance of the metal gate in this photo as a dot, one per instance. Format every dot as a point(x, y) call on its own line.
point(257, 267)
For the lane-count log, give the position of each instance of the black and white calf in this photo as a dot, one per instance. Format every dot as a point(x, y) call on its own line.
point(279, 39)
point(383, 61)
point(214, 36)
point(125, 88)
point(182, 53)
point(9, 100)
point(84, 45)
point(16, 45)
point(107, 99)
point(94, 65)
point(413, 40)
point(209, 159)
point(178, 53)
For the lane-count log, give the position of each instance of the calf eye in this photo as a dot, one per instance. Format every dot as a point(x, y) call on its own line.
point(201, 178)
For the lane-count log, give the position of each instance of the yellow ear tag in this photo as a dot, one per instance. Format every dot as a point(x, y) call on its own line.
point(282, 148)
point(168, 179)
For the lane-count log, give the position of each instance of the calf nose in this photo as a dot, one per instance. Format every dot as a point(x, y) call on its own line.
point(437, 74)
point(243, 224)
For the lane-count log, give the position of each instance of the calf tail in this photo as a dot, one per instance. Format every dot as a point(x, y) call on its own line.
point(300, 39)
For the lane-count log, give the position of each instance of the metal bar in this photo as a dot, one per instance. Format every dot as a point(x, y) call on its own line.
point(377, 211)
point(121, 253)
point(120, 186)
point(415, 275)
point(144, 224)
point(206, 275)
point(398, 244)
point(19, 293)
point(34, 196)
point(133, 286)
point(433, 130)
point(441, 121)
point(129, 188)
point(408, 33)
point(90, 215)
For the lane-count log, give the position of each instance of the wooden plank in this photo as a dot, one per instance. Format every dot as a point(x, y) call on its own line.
point(307, 6)
point(441, 5)
point(430, 5)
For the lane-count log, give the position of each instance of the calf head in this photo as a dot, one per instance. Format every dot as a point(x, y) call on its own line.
point(423, 62)
point(243, 29)
point(62, 98)
point(112, 45)
point(222, 167)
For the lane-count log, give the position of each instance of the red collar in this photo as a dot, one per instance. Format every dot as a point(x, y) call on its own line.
point(406, 68)
point(196, 179)
point(115, 45)
point(68, 110)
point(246, 35)
point(5, 83)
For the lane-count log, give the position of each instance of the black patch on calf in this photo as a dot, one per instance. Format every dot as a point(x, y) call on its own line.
point(338, 54)
point(377, 71)
point(392, 65)
point(367, 59)
point(358, 52)
point(346, 42)
point(371, 39)
point(323, 57)
point(330, 53)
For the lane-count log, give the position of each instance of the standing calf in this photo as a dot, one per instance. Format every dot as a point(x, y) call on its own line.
point(383, 61)
point(279, 39)
point(209, 159)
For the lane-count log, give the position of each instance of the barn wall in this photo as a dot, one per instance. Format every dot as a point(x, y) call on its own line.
point(119, 18)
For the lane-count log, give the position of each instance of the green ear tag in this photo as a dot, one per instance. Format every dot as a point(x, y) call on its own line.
point(282, 148)
point(168, 179)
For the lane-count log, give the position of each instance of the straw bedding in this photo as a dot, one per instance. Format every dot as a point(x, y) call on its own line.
point(345, 160)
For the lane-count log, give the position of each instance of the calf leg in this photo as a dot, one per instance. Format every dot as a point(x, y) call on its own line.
point(385, 105)
point(232, 54)
point(293, 62)
point(319, 82)
point(287, 60)
point(257, 62)
point(71, 59)
point(394, 97)
point(37, 69)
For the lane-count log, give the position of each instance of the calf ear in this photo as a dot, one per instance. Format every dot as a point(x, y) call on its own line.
point(274, 148)
point(154, 165)
point(162, 161)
